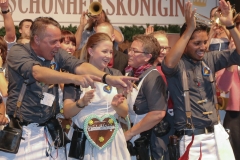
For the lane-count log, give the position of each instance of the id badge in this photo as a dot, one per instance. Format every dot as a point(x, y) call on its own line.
point(48, 99)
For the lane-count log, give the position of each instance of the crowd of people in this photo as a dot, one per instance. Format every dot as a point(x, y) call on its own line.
point(112, 105)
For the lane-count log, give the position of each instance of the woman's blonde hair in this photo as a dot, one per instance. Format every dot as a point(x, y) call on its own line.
point(92, 42)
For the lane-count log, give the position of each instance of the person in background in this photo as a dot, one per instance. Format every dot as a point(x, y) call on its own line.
point(218, 34)
point(68, 41)
point(228, 80)
point(119, 60)
point(24, 30)
point(82, 35)
point(219, 39)
point(147, 103)
point(98, 102)
point(162, 39)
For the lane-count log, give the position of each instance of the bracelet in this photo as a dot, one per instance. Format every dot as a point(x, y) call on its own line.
point(78, 105)
point(104, 78)
point(230, 27)
point(5, 12)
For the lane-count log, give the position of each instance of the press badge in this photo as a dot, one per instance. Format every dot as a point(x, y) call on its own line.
point(48, 99)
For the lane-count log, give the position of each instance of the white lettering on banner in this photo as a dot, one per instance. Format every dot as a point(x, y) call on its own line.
point(121, 12)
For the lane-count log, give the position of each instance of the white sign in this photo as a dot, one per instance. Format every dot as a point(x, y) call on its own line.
point(120, 12)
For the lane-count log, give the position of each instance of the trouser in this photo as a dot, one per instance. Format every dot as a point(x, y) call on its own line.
point(231, 121)
point(208, 146)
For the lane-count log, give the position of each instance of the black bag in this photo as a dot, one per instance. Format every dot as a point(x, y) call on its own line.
point(142, 148)
point(162, 128)
point(77, 147)
point(10, 137)
point(55, 130)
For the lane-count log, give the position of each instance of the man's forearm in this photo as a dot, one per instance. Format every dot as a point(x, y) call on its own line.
point(87, 68)
point(173, 57)
point(236, 38)
point(9, 27)
point(49, 76)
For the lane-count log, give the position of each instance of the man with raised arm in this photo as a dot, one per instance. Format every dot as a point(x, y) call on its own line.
point(189, 54)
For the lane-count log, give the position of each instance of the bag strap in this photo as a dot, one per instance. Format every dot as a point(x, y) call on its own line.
point(20, 98)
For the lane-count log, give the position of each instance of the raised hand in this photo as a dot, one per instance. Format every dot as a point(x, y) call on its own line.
point(225, 13)
point(189, 15)
point(83, 20)
point(87, 97)
point(117, 100)
point(4, 4)
point(149, 30)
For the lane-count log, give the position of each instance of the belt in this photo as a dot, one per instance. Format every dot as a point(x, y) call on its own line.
point(24, 123)
point(195, 131)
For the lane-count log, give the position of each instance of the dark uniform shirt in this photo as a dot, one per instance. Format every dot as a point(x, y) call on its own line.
point(20, 62)
point(199, 85)
point(152, 94)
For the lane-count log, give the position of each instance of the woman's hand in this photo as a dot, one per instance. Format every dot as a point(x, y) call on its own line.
point(3, 119)
point(128, 135)
point(86, 99)
point(117, 100)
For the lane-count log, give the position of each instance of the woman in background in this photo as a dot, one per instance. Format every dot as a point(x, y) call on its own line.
point(68, 41)
point(228, 80)
point(147, 103)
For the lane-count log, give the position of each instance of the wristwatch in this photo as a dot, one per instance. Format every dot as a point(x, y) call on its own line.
point(6, 11)
point(1, 70)
point(78, 105)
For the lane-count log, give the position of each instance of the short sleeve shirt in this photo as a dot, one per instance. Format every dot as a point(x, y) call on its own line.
point(200, 87)
point(152, 95)
point(20, 61)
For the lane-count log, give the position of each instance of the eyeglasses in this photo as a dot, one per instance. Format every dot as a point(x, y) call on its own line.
point(165, 48)
point(131, 50)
